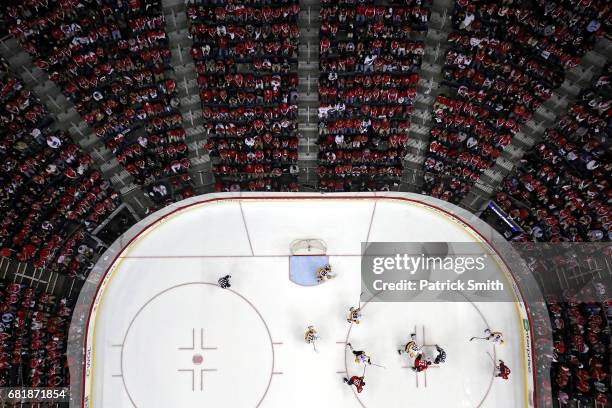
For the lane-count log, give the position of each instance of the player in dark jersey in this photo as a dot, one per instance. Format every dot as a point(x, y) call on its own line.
point(420, 364)
point(441, 357)
point(502, 370)
point(224, 282)
point(358, 382)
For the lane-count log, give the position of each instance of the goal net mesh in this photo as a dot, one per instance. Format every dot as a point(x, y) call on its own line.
point(308, 247)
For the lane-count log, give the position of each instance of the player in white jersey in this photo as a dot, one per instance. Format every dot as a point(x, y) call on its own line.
point(325, 273)
point(495, 337)
point(311, 336)
point(360, 355)
point(354, 315)
point(411, 348)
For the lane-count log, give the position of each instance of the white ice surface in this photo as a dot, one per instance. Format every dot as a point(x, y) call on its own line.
point(158, 304)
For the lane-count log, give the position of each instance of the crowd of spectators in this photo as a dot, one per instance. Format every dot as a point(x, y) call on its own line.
point(111, 59)
point(561, 190)
point(369, 67)
point(50, 195)
point(465, 141)
point(571, 335)
point(32, 337)
point(581, 356)
point(245, 54)
point(503, 62)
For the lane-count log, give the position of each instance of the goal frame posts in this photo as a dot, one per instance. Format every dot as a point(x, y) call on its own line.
point(308, 247)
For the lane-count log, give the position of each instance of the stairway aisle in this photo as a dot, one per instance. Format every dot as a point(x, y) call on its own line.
point(427, 91)
point(185, 75)
point(308, 102)
point(546, 116)
point(67, 119)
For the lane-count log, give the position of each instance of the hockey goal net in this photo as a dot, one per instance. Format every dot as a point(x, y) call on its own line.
point(310, 246)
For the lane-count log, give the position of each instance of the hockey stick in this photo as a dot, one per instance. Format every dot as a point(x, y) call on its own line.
point(378, 365)
point(496, 368)
point(479, 338)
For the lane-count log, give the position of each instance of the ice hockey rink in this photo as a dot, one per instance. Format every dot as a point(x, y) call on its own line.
point(162, 333)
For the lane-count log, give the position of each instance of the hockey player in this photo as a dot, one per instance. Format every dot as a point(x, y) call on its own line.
point(354, 315)
point(311, 336)
point(502, 370)
point(435, 356)
point(324, 273)
point(360, 355)
point(494, 337)
point(420, 364)
point(411, 348)
point(224, 282)
point(358, 382)
point(441, 357)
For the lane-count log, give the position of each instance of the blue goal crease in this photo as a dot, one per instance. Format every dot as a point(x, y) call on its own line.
point(303, 268)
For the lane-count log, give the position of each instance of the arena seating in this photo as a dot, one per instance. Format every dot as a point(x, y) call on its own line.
point(577, 347)
point(561, 190)
point(245, 54)
point(580, 370)
point(33, 337)
point(111, 60)
point(561, 193)
point(51, 195)
point(503, 62)
point(367, 86)
point(465, 141)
